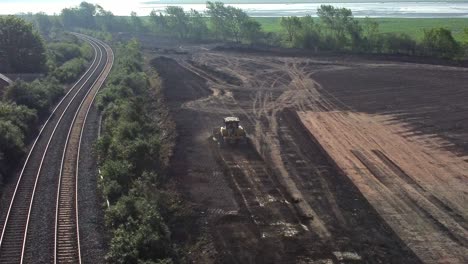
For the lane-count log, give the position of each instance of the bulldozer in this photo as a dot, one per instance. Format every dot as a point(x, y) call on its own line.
point(231, 132)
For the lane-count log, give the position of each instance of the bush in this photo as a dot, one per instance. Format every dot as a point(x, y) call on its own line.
point(16, 124)
point(70, 70)
point(38, 95)
point(62, 51)
point(140, 233)
point(21, 46)
point(21, 116)
point(11, 140)
point(439, 42)
point(116, 178)
point(129, 159)
point(398, 43)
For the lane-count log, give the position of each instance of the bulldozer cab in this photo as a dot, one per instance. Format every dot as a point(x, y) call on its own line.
point(231, 122)
point(231, 125)
point(231, 132)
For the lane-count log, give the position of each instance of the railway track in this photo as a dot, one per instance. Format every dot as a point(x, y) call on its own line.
point(70, 113)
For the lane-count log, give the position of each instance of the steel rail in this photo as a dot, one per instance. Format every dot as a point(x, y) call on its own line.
point(80, 122)
point(93, 68)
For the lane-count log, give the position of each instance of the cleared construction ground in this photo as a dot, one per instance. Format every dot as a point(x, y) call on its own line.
point(351, 161)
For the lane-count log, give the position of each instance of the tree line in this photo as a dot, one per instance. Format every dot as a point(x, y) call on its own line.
point(132, 161)
point(218, 22)
point(336, 29)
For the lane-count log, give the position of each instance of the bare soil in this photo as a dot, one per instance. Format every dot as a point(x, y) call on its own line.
point(284, 198)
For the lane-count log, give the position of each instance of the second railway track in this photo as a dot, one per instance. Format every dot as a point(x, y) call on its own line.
point(28, 231)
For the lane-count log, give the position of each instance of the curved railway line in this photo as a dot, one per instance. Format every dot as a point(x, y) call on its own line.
point(67, 118)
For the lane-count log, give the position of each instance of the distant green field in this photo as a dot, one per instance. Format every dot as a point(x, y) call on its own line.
point(412, 26)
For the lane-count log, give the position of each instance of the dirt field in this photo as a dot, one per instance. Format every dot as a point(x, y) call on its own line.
point(291, 196)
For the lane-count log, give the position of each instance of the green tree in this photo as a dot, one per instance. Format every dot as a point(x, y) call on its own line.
point(440, 42)
point(105, 19)
point(70, 70)
point(19, 115)
point(11, 141)
point(21, 46)
point(140, 234)
point(309, 36)
point(398, 43)
point(251, 30)
point(197, 25)
point(218, 13)
point(292, 26)
point(38, 95)
point(136, 23)
point(236, 18)
point(82, 16)
point(229, 23)
point(43, 23)
point(16, 124)
point(340, 23)
point(177, 21)
point(371, 37)
point(158, 22)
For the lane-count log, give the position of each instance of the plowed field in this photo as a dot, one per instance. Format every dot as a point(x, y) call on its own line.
point(350, 161)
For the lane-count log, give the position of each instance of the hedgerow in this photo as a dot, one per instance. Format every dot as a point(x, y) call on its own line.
point(129, 153)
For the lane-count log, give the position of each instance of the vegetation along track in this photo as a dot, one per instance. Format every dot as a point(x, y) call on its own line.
point(70, 113)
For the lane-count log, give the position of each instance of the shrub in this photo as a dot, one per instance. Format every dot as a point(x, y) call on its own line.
point(439, 42)
point(19, 115)
point(62, 51)
point(129, 158)
point(398, 43)
point(140, 233)
point(11, 140)
point(38, 95)
point(70, 70)
point(21, 45)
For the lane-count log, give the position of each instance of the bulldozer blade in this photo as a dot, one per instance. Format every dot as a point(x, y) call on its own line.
point(216, 134)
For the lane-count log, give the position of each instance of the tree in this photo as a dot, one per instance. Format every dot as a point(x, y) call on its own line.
point(38, 95)
point(21, 46)
point(136, 23)
point(197, 25)
point(440, 42)
point(251, 30)
point(158, 22)
point(105, 19)
point(398, 43)
point(19, 115)
point(292, 26)
point(371, 35)
point(82, 16)
point(177, 20)
point(309, 35)
point(43, 23)
point(87, 11)
point(236, 17)
point(16, 124)
point(340, 23)
point(229, 22)
point(218, 13)
point(11, 141)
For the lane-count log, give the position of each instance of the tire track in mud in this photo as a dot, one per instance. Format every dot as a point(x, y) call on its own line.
point(292, 206)
point(259, 196)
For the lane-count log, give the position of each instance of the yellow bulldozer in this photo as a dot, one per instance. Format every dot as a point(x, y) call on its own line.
point(231, 132)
